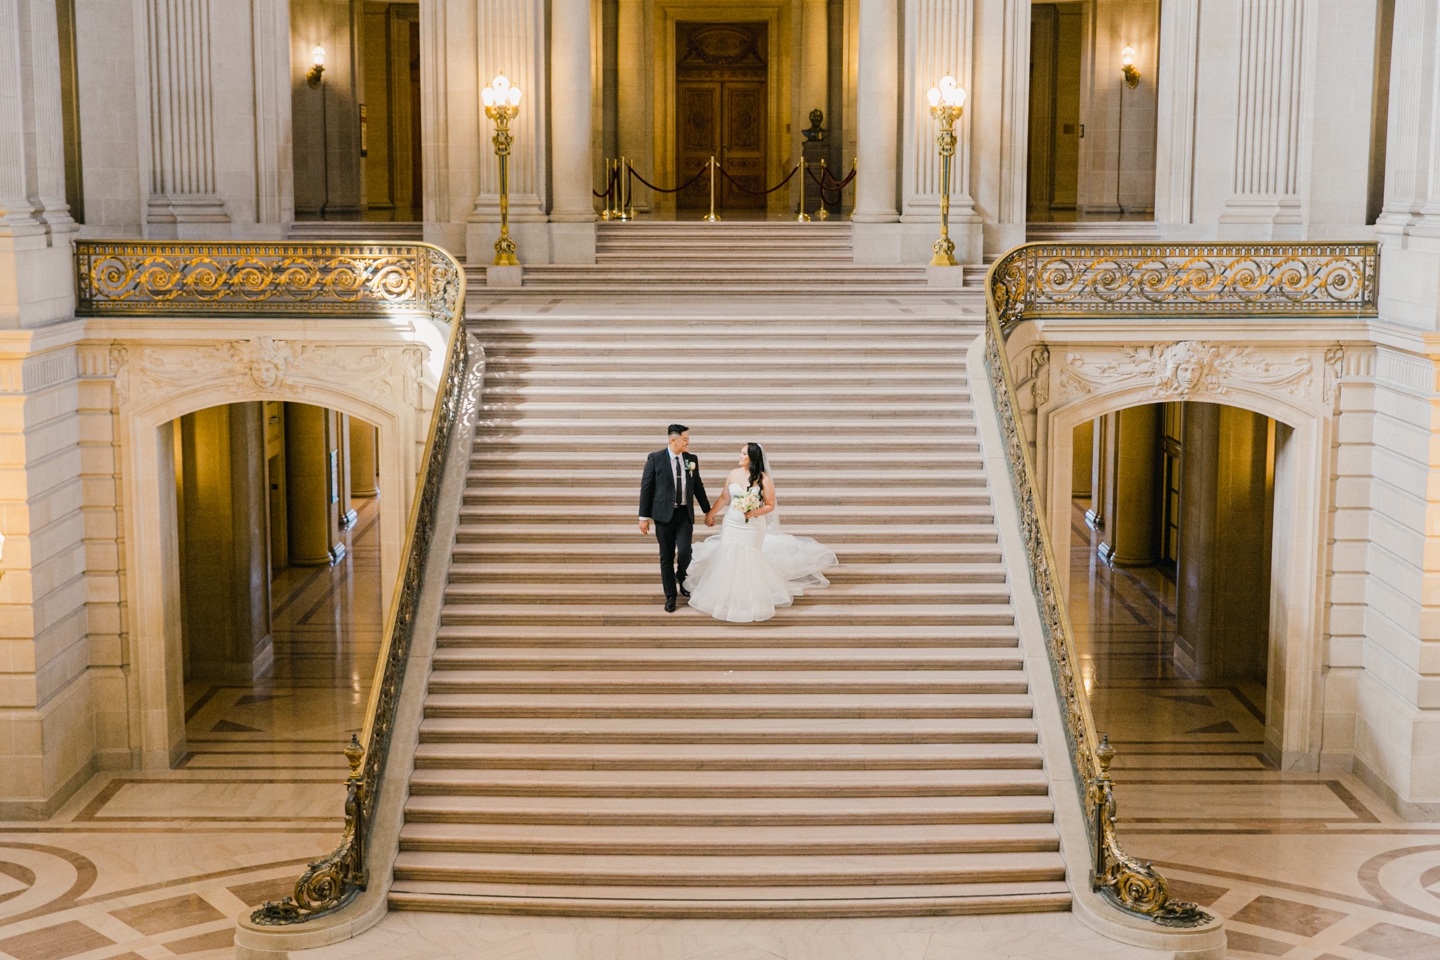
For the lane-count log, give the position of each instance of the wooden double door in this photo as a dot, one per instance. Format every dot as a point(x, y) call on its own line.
point(721, 111)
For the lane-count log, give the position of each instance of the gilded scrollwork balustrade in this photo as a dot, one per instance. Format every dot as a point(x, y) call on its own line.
point(1139, 281)
point(314, 280)
point(1159, 280)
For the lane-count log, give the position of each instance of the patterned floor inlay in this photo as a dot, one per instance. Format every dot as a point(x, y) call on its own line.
point(1303, 866)
point(145, 866)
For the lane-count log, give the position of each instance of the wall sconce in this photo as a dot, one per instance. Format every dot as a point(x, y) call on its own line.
point(312, 77)
point(1127, 67)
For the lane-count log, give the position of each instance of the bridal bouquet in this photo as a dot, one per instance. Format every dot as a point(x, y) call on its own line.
point(747, 501)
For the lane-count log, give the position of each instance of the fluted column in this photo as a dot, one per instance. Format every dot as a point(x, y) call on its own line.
point(510, 40)
point(938, 39)
point(1268, 115)
point(572, 215)
point(180, 76)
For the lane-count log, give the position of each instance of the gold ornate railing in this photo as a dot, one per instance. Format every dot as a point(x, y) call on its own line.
point(314, 280)
point(1159, 280)
point(1117, 281)
point(263, 279)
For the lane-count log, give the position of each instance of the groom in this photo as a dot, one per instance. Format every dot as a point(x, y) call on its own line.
point(669, 489)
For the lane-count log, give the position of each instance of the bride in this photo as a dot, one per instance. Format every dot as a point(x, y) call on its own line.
point(751, 568)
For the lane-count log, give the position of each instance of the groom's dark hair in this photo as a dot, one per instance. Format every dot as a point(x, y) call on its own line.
point(676, 429)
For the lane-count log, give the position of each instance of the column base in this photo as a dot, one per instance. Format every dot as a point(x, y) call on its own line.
point(572, 242)
point(532, 241)
point(876, 242)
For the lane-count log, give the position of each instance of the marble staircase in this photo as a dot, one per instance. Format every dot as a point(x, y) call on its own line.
point(869, 751)
point(727, 258)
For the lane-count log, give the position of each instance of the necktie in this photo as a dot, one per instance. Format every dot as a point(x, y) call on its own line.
point(679, 483)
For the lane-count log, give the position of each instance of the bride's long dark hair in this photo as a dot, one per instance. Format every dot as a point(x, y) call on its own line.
point(757, 463)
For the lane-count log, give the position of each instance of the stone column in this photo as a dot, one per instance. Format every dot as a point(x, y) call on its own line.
point(307, 485)
point(180, 82)
point(877, 103)
point(1409, 223)
point(511, 40)
point(572, 216)
point(1082, 461)
point(340, 473)
point(937, 44)
point(1223, 591)
point(634, 103)
point(1132, 526)
point(225, 577)
point(35, 281)
point(362, 460)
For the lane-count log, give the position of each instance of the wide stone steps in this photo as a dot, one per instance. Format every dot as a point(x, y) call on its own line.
point(870, 750)
point(729, 841)
point(744, 756)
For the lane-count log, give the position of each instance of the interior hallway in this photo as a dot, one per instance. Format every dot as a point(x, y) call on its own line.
point(158, 864)
point(1304, 866)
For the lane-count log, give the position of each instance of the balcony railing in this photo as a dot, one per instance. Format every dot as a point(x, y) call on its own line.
point(314, 280)
point(1141, 281)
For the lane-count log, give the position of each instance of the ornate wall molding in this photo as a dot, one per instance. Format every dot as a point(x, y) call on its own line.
point(286, 368)
point(1186, 370)
point(1405, 370)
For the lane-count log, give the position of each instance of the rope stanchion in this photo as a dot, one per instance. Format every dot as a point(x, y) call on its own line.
point(682, 186)
point(758, 193)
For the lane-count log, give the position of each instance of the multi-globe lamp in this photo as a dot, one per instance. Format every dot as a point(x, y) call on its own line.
point(947, 104)
point(502, 104)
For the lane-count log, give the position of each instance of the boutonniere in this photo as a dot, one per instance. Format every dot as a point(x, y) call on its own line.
point(690, 465)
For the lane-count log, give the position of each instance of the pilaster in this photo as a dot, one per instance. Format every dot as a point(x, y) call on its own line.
point(572, 216)
point(180, 82)
point(877, 102)
point(511, 39)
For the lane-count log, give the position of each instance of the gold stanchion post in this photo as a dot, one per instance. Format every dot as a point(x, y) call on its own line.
point(947, 103)
point(823, 213)
point(502, 104)
point(629, 212)
point(802, 216)
point(710, 217)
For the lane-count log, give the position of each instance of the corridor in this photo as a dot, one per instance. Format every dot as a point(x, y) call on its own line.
point(1305, 866)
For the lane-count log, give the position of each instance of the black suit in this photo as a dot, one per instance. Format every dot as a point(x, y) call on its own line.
point(673, 516)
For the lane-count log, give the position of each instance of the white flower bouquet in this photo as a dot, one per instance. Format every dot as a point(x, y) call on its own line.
point(747, 501)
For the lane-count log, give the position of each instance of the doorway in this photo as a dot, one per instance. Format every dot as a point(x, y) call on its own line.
point(721, 111)
point(277, 543)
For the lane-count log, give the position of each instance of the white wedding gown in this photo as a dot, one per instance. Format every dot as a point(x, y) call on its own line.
point(751, 568)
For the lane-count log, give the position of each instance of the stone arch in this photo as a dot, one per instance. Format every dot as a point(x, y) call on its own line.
point(148, 503)
point(1295, 691)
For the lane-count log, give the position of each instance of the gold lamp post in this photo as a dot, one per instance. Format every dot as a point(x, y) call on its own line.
point(502, 104)
point(947, 103)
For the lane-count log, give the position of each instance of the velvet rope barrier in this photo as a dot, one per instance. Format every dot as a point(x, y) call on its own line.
point(759, 193)
point(672, 189)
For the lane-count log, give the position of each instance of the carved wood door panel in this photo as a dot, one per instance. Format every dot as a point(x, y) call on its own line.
point(722, 111)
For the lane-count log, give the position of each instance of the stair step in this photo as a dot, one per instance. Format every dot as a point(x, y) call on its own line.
point(788, 902)
point(710, 731)
point(665, 701)
point(820, 663)
point(650, 841)
point(650, 756)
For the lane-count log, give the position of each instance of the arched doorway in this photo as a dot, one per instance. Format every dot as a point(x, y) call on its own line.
point(1171, 551)
point(276, 539)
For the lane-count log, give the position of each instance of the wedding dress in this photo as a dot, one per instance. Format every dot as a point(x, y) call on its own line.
point(751, 568)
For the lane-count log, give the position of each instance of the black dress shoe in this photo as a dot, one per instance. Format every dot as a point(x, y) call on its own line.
point(684, 592)
point(669, 604)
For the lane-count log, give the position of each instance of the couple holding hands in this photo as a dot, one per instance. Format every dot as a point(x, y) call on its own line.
point(750, 568)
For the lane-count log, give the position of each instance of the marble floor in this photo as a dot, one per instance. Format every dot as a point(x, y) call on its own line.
point(1303, 866)
point(158, 864)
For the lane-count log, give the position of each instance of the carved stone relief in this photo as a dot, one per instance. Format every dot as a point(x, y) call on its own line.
point(274, 366)
point(1186, 370)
